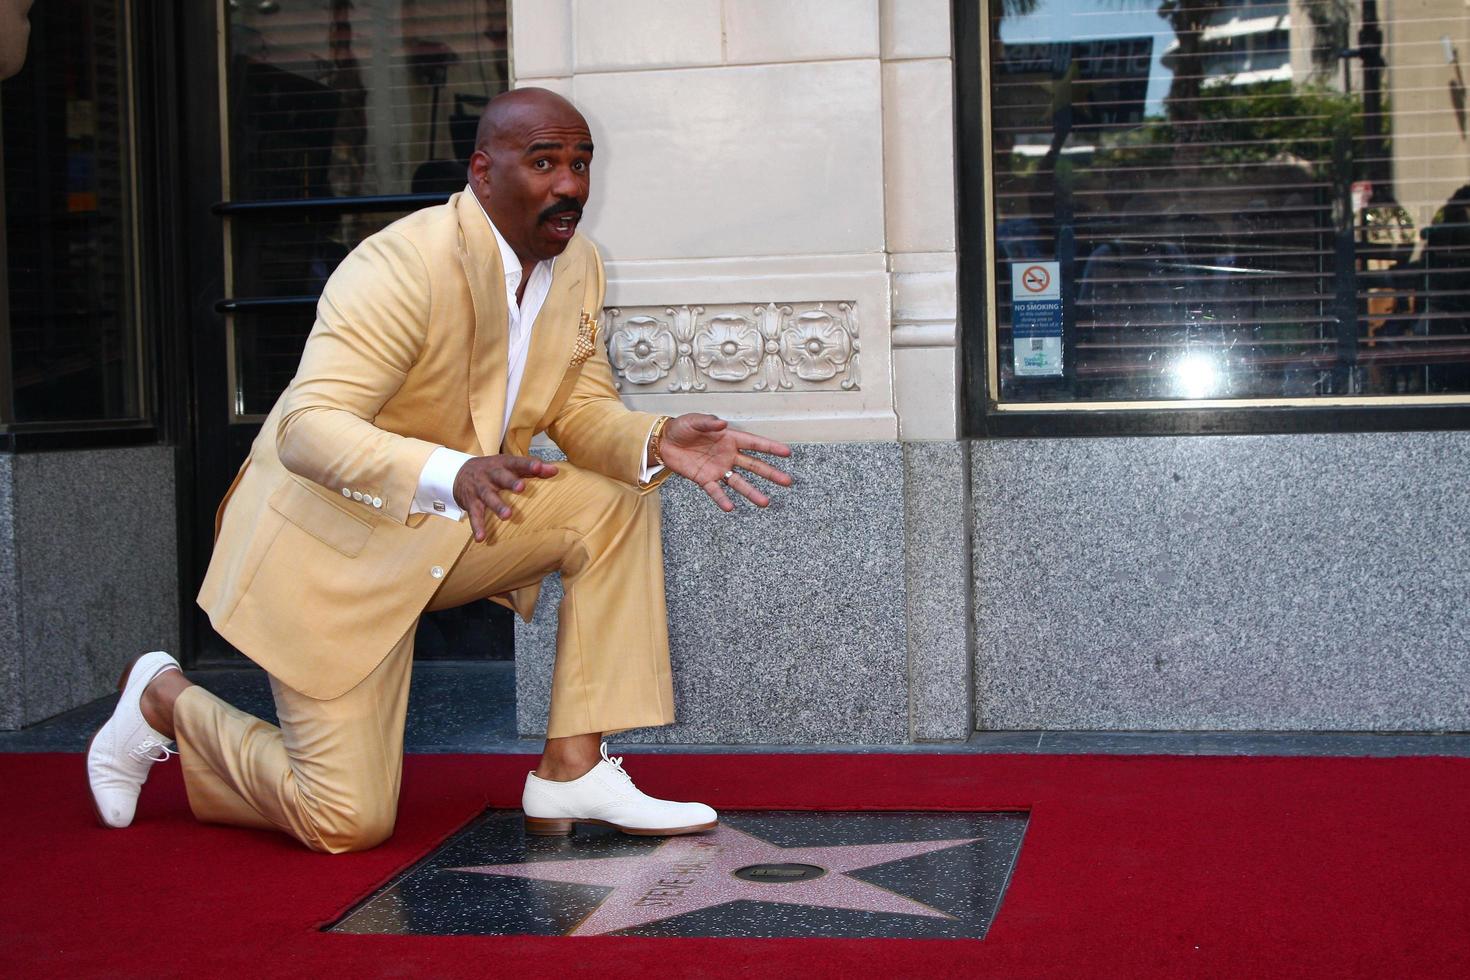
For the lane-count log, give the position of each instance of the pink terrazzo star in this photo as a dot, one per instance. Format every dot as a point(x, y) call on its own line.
point(685, 874)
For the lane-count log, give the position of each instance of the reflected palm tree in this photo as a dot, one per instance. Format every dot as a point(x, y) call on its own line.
point(1182, 106)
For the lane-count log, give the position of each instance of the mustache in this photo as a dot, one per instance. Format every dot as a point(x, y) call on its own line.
point(568, 205)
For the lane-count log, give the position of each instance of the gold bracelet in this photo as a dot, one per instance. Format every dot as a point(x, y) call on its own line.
point(656, 438)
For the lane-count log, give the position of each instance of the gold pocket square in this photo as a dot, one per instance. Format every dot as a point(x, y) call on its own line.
point(586, 339)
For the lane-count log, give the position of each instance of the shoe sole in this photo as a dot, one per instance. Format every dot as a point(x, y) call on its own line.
point(564, 827)
point(122, 682)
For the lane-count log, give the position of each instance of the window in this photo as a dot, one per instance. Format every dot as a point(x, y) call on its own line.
point(342, 116)
point(1207, 203)
point(69, 346)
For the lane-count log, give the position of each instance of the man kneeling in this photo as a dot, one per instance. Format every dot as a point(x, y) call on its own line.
point(392, 477)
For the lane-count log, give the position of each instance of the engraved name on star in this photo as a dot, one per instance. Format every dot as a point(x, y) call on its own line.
point(685, 874)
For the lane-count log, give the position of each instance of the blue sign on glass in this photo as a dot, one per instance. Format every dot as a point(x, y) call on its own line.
point(1036, 318)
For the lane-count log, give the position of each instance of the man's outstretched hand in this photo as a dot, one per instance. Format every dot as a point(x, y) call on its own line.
point(704, 448)
point(481, 484)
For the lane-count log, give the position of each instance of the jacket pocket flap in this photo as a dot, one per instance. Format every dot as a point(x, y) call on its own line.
point(321, 518)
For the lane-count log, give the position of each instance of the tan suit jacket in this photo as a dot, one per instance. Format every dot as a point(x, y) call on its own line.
point(408, 353)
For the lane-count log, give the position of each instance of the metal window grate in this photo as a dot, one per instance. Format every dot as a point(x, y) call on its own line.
point(341, 117)
point(1239, 204)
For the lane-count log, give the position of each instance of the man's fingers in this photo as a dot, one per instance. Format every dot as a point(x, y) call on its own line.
point(513, 469)
point(718, 496)
point(482, 481)
point(742, 486)
point(529, 466)
point(504, 478)
point(493, 502)
point(708, 423)
point(760, 444)
point(716, 491)
point(763, 470)
point(511, 473)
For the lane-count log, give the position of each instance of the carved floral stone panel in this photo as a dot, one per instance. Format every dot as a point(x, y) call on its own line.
point(734, 347)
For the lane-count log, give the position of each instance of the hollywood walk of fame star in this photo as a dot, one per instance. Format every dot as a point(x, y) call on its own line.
point(685, 874)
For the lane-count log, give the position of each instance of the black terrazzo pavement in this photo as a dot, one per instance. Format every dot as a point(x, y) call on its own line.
point(878, 875)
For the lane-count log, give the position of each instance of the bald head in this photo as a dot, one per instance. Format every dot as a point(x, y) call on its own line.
point(531, 171)
point(510, 111)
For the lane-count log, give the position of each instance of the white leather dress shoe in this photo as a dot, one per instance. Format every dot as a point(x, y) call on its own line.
point(606, 795)
point(126, 746)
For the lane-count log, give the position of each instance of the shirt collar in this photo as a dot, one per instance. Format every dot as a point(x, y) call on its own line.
point(508, 259)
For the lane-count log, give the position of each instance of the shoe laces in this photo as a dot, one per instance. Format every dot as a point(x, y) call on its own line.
point(144, 750)
point(616, 762)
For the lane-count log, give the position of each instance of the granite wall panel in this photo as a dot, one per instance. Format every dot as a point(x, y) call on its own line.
point(786, 625)
point(95, 558)
point(1282, 582)
point(10, 647)
point(937, 558)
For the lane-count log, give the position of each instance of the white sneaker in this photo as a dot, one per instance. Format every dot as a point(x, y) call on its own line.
point(126, 746)
point(606, 795)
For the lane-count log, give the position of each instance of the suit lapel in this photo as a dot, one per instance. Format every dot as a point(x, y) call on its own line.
point(480, 256)
point(553, 339)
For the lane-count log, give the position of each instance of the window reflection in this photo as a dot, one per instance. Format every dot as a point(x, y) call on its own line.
point(1242, 199)
point(341, 99)
point(67, 223)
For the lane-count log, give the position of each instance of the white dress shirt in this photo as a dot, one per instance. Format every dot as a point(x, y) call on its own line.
point(435, 493)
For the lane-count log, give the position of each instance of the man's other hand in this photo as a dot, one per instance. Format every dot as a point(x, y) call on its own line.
point(481, 483)
point(704, 448)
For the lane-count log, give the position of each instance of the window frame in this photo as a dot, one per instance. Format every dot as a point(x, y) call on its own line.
point(984, 415)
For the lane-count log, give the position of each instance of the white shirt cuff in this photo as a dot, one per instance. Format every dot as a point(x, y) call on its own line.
point(646, 473)
point(436, 484)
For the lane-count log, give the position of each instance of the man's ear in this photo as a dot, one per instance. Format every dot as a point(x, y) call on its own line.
point(480, 168)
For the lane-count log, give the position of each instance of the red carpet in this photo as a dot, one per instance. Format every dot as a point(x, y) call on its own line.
point(1132, 867)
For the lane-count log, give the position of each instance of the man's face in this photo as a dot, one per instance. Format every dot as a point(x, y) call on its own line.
point(15, 31)
point(534, 178)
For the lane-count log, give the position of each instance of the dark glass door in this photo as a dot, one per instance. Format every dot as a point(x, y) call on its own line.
point(321, 123)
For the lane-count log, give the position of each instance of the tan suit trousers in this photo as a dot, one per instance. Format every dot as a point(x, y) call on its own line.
point(329, 775)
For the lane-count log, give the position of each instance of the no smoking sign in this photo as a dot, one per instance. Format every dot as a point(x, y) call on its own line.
point(1036, 279)
point(1036, 318)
